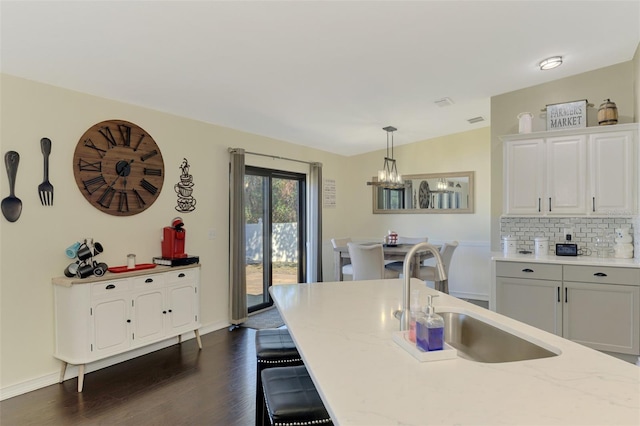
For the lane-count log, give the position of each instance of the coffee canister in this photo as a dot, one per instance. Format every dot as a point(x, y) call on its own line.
point(607, 113)
point(509, 245)
point(541, 246)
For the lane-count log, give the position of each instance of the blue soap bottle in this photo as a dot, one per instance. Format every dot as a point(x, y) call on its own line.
point(430, 329)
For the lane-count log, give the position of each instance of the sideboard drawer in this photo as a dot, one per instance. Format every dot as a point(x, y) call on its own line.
point(106, 288)
point(602, 274)
point(539, 271)
point(148, 281)
point(182, 275)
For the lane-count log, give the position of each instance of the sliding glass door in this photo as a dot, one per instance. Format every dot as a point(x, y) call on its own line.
point(275, 229)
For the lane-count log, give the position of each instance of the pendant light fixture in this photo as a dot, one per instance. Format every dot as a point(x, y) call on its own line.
point(388, 176)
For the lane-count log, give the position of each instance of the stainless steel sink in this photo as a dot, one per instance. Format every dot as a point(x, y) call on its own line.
point(479, 341)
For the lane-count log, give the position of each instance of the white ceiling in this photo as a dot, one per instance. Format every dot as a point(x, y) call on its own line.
point(327, 74)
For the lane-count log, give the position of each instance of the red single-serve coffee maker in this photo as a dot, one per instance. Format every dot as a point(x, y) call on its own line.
point(173, 240)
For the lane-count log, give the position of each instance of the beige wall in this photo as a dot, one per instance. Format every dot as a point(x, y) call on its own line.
point(615, 82)
point(32, 249)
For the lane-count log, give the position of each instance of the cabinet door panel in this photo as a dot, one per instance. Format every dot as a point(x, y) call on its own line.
point(612, 173)
point(523, 181)
point(603, 316)
point(566, 175)
point(182, 307)
point(534, 302)
point(148, 318)
point(110, 326)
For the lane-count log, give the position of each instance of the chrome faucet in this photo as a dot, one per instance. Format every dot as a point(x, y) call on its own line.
point(405, 313)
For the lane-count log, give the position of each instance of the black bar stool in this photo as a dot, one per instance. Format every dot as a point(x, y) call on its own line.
point(291, 398)
point(274, 348)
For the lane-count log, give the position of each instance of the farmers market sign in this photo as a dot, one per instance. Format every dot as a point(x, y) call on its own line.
point(570, 115)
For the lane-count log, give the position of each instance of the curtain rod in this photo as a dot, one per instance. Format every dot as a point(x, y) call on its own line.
point(276, 157)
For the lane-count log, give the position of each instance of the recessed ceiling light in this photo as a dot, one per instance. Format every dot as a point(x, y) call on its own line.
point(550, 63)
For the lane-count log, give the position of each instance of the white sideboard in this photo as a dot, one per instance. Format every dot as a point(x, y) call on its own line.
point(589, 171)
point(99, 317)
point(595, 304)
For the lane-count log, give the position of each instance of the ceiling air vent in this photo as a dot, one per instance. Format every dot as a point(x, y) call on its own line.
point(475, 120)
point(444, 102)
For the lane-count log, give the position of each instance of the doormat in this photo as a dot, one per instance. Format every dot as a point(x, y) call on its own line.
point(266, 319)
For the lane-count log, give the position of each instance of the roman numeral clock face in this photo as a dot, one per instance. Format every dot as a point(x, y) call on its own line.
point(118, 168)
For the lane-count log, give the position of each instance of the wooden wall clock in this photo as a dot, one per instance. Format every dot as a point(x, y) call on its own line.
point(118, 167)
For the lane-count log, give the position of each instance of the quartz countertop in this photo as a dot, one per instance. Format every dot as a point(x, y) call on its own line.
point(568, 260)
point(343, 331)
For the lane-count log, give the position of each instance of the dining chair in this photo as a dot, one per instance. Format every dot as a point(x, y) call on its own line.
point(342, 242)
point(397, 265)
point(430, 273)
point(368, 262)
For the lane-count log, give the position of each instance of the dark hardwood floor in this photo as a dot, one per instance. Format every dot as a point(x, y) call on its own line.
point(178, 385)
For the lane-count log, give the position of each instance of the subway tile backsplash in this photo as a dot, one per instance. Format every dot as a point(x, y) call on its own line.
point(585, 229)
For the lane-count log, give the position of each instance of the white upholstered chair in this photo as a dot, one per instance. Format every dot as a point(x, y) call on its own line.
point(430, 273)
point(342, 242)
point(368, 262)
point(396, 266)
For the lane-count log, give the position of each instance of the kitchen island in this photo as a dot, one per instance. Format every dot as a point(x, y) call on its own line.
point(343, 331)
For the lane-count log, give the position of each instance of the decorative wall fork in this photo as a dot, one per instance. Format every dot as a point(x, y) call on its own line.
point(45, 189)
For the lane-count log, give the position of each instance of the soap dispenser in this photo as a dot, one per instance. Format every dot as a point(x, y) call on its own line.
point(430, 329)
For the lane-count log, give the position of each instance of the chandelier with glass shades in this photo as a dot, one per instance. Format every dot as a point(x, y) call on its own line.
point(388, 176)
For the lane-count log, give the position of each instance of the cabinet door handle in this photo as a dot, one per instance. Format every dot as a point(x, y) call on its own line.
point(128, 320)
point(566, 295)
point(558, 292)
point(549, 203)
point(148, 280)
point(599, 274)
point(170, 311)
point(164, 312)
point(527, 269)
point(593, 204)
point(110, 287)
point(181, 275)
point(539, 201)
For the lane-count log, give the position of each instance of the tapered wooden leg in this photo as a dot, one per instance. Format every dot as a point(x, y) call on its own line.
point(80, 377)
point(198, 338)
point(62, 371)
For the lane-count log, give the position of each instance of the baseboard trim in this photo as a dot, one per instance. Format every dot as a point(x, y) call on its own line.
point(72, 370)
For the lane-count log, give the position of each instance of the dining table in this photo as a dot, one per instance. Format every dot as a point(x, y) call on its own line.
point(396, 252)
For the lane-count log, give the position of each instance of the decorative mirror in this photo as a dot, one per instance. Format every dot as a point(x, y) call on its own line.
point(427, 193)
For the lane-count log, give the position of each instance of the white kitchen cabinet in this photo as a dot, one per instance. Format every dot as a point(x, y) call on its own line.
point(571, 172)
point(596, 306)
point(566, 175)
point(524, 177)
point(612, 173)
point(98, 317)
